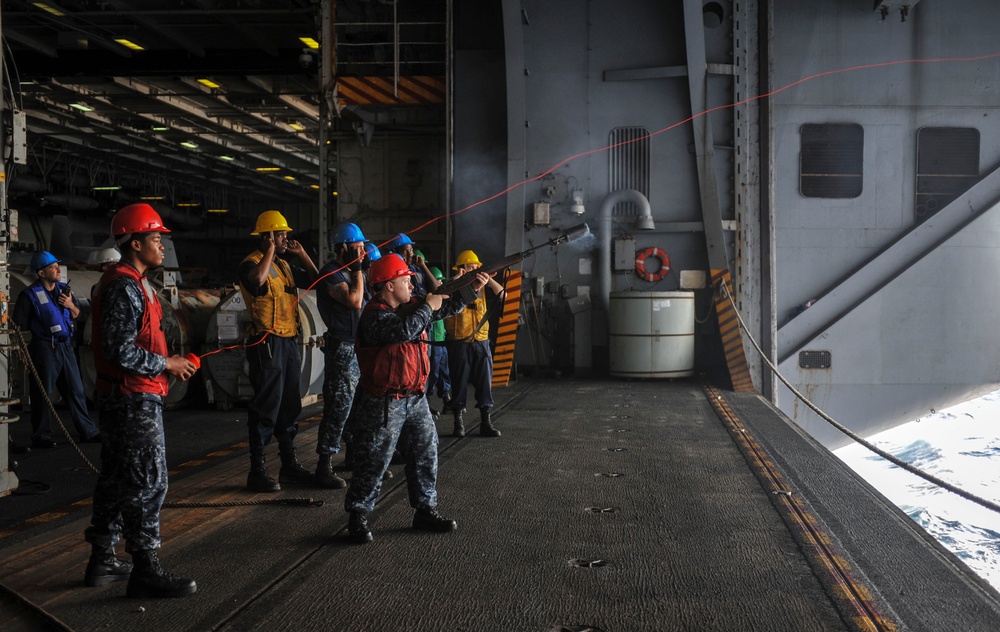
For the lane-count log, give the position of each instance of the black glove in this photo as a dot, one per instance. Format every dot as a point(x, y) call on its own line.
point(355, 266)
point(366, 263)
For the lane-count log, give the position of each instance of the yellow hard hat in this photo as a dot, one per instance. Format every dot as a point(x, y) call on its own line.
point(271, 221)
point(464, 257)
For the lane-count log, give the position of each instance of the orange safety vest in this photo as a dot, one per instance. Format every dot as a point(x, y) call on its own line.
point(149, 337)
point(397, 368)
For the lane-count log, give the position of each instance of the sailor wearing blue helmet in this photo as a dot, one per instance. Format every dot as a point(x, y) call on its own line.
point(341, 296)
point(48, 309)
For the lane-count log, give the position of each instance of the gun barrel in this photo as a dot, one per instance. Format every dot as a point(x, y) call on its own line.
point(456, 284)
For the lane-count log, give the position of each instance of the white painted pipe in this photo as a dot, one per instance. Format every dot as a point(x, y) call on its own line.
point(604, 223)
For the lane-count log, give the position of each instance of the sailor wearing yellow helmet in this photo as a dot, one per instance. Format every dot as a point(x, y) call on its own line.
point(469, 357)
point(270, 291)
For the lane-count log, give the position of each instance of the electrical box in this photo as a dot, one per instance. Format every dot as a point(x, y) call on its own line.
point(579, 303)
point(20, 133)
point(552, 287)
point(624, 259)
point(692, 279)
point(541, 216)
point(539, 286)
point(12, 224)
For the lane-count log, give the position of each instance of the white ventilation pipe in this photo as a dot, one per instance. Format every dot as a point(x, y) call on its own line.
point(604, 222)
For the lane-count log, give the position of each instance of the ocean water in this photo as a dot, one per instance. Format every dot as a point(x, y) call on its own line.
point(960, 445)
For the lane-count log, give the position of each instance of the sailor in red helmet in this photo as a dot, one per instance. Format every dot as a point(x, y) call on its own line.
point(132, 362)
point(392, 354)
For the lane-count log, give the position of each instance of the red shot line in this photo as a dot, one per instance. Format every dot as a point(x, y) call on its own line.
point(589, 152)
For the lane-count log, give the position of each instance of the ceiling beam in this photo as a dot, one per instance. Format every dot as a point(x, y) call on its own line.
point(167, 32)
point(184, 105)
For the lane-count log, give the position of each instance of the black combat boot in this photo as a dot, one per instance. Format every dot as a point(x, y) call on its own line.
point(148, 579)
point(459, 427)
point(357, 528)
point(446, 402)
point(104, 567)
point(324, 473)
point(291, 470)
point(486, 428)
point(431, 520)
point(259, 480)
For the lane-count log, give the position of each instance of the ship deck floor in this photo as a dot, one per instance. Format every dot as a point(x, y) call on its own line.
point(677, 499)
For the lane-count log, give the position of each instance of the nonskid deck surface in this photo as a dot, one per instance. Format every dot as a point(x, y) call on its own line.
point(619, 506)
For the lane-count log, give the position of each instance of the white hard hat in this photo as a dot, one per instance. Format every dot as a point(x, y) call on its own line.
point(108, 255)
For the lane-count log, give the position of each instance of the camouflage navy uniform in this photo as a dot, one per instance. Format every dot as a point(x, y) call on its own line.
point(381, 421)
point(133, 480)
point(341, 373)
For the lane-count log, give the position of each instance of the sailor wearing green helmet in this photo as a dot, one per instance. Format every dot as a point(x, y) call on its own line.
point(438, 380)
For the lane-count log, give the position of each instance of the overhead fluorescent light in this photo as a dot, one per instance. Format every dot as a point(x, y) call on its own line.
point(48, 8)
point(313, 186)
point(129, 44)
point(268, 168)
point(298, 127)
point(160, 128)
point(290, 178)
point(81, 107)
point(152, 197)
point(310, 42)
point(230, 158)
point(187, 204)
point(188, 144)
point(217, 210)
point(107, 188)
point(209, 83)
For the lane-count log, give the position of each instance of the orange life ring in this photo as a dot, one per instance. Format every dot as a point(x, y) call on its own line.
point(640, 264)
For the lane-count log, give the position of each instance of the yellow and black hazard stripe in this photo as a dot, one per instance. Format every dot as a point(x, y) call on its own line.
point(732, 337)
point(419, 90)
point(503, 353)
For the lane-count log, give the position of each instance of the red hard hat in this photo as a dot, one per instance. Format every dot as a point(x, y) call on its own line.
point(389, 267)
point(137, 218)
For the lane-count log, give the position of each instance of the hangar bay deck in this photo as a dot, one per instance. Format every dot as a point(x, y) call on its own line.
point(604, 506)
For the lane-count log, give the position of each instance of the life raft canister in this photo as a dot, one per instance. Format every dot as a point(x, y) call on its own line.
point(640, 264)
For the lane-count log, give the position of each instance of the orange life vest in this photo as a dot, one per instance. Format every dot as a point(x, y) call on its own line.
point(397, 368)
point(150, 337)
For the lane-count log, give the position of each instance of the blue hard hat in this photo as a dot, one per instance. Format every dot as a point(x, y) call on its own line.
point(374, 254)
point(346, 233)
point(399, 240)
point(41, 259)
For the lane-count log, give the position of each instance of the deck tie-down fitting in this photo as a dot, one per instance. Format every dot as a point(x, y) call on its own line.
point(583, 563)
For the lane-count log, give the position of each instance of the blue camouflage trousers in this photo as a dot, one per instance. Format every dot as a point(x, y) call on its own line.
point(341, 375)
point(379, 424)
point(133, 481)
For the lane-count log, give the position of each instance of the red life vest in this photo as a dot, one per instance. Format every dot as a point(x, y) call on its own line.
point(397, 368)
point(150, 337)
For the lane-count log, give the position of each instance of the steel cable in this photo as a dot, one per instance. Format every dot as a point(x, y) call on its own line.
point(992, 506)
point(22, 349)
